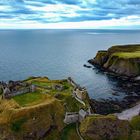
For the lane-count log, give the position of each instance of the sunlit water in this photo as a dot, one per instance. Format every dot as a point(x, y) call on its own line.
point(59, 54)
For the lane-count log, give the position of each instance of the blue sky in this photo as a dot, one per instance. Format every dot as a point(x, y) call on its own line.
point(59, 14)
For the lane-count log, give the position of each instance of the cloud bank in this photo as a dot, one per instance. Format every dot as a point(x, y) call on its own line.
point(69, 14)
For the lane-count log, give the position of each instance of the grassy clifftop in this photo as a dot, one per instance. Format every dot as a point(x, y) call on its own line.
point(100, 127)
point(23, 120)
point(124, 48)
point(104, 127)
point(40, 114)
point(122, 60)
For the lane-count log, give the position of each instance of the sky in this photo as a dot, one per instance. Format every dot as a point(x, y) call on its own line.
point(70, 14)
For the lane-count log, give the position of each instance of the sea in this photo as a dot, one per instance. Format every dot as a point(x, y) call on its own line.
point(59, 54)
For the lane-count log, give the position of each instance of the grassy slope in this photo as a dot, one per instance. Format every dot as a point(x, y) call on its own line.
point(124, 60)
point(125, 51)
point(124, 48)
point(89, 121)
point(96, 127)
point(69, 133)
point(127, 55)
point(35, 110)
point(19, 121)
point(135, 123)
point(64, 96)
point(134, 133)
point(30, 99)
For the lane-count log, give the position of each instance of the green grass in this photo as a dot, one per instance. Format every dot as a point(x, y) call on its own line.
point(128, 54)
point(43, 84)
point(135, 123)
point(16, 125)
point(54, 135)
point(72, 104)
point(29, 98)
point(45, 105)
point(64, 95)
point(69, 133)
point(1, 91)
point(51, 83)
point(96, 118)
point(135, 135)
point(124, 48)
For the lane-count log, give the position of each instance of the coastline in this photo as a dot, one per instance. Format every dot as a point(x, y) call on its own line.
point(122, 63)
point(129, 113)
point(66, 100)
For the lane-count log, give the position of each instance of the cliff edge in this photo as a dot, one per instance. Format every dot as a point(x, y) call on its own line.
point(123, 60)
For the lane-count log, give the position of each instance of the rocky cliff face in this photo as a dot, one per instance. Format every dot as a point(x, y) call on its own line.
point(104, 127)
point(100, 58)
point(35, 122)
point(123, 66)
point(122, 60)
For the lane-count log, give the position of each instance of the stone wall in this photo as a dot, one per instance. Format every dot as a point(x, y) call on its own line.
point(24, 90)
point(71, 117)
point(81, 94)
point(71, 81)
point(82, 114)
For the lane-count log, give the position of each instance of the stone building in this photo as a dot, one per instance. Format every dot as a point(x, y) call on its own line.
point(9, 92)
point(58, 87)
point(6, 93)
point(81, 93)
point(71, 117)
point(82, 114)
point(71, 81)
point(32, 88)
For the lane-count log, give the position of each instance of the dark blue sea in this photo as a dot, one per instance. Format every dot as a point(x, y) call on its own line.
point(61, 53)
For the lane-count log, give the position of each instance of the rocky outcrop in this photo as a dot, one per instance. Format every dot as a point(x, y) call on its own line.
point(104, 127)
point(100, 58)
point(121, 60)
point(33, 122)
point(105, 107)
point(123, 66)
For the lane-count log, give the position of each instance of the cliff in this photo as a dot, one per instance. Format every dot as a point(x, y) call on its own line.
point(39, 114)
point(109, 127)
point(32, 122)
point(122, 60)
point(104, 127)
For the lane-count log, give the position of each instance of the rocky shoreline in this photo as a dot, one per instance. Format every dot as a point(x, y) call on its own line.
point(130, 78)
point(113, 64)
point(52, 110)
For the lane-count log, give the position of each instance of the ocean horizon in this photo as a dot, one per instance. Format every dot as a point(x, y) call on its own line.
point(59, 54)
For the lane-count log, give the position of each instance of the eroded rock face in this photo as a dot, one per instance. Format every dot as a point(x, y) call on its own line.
point(105, 107)
point(104, 127)
point(122, 60)
point(100, 58)
point(32, 123)
point(129, 67)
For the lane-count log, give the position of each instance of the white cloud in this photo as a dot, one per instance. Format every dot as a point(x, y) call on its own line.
point(127, 21)
point(62, 14)
point(5, 7)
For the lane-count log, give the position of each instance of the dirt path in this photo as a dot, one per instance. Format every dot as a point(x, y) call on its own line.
point(77, 129)
point(129, 113)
